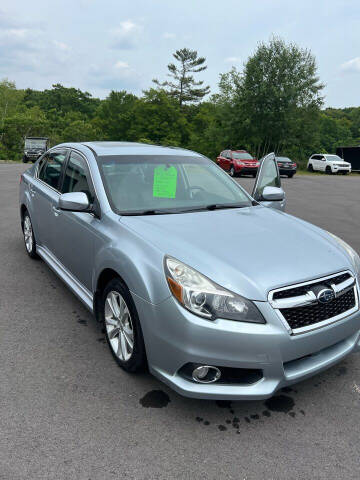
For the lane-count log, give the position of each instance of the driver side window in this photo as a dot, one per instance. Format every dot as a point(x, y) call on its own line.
point(76, 176)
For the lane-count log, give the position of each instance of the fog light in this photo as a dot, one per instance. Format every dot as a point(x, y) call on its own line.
point(206, 374)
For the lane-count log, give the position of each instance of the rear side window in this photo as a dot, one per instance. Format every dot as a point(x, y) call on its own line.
point(51, 167)
point(76, 176)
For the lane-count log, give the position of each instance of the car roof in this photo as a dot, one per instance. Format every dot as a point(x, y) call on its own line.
point(130, 148)
point(36, 138)
point(240, 151)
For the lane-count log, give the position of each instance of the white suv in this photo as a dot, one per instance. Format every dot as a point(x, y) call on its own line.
point(324, 162)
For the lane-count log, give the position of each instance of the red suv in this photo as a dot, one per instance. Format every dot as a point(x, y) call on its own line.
point(238, 162)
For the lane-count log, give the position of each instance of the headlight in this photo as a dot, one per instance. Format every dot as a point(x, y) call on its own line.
point(354, 257)
point(205, 298)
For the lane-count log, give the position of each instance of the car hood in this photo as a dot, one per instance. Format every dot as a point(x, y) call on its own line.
point(249, 251)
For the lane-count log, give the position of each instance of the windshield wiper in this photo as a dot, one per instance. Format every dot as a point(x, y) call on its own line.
point(148, 212)
point(218, 206)
point(213, 206)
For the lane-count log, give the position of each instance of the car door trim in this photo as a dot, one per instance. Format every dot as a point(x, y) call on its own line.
point(68, 278)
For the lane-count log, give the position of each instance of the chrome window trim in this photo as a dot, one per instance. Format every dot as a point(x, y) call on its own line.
point(48, 186)
point(303, 300)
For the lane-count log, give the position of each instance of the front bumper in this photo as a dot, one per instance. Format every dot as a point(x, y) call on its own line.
point(286, 171)
point(247, 170)
point(174, 337)
point(337, 169)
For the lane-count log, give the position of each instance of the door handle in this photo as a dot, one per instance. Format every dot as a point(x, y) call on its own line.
point(56, 211)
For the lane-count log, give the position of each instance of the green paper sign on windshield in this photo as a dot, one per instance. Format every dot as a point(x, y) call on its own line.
point(164, 185)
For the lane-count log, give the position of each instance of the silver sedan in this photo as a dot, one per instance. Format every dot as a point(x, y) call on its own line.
point(220, 294)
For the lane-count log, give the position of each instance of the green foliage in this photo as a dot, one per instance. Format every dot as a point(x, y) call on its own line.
point(114, 116)
point(273, 104)
point(183, 87)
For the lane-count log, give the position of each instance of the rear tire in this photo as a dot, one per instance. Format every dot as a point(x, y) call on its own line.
point(29, 238)
point(122, 326)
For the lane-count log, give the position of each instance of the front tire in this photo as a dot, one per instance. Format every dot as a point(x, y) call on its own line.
point(328, 170)
point(29, 238)
point(25, 159)
point(232, 171)
point(122, 326)
point(290, 175)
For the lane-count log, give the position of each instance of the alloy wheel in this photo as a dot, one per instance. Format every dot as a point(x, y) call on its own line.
point(28, 234)
point(119, 327)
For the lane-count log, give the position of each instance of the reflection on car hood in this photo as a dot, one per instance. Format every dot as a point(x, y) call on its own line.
point(249, 251)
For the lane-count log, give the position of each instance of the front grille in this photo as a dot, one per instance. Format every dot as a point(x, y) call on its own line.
point(301, 290)
point(300, 317)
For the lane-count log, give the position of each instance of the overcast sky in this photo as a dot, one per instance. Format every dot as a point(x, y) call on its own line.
point(99, 45)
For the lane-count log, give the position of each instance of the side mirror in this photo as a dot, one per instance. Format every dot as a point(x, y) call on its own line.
point(272, 194)
point(74, 202)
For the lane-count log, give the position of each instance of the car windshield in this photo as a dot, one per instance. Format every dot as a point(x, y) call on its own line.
point(283, 159)
point(242, 156)
point(35, 143)
point(333, 158)
point(149, 184)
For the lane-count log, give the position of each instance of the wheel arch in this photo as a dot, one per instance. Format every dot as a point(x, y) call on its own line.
point(104, 277)
point(23, 209)
point(143, 276)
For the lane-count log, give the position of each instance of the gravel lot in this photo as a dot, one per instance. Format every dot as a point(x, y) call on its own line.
point(68, 412)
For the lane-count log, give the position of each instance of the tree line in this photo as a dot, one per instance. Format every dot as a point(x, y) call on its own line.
point(274, 104)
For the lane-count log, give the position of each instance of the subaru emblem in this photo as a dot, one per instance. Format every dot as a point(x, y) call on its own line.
point(326, 295)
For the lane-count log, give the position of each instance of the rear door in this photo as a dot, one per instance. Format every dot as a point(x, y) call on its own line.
point(319, 162)
point(268, 176)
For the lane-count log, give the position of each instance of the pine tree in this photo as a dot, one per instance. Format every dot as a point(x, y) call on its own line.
point(183, 87)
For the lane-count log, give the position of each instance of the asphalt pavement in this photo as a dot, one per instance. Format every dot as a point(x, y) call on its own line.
point(67, 411)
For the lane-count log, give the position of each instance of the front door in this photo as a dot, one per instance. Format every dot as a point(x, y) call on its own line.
point(45, 194)
point(268, 176)
point(74, 231)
